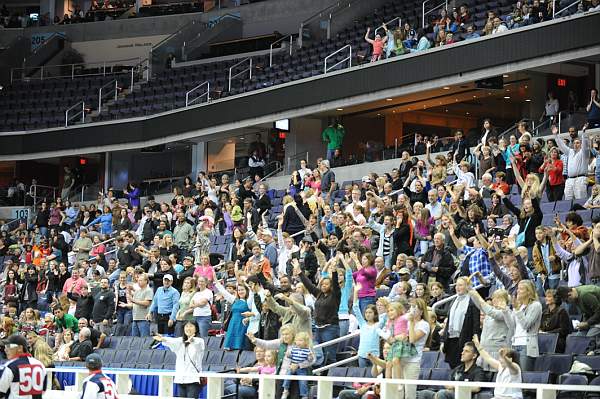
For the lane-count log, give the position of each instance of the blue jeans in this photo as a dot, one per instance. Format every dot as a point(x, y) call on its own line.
point(124, 316)
point(364, 302)
point(526, 362)
point(364, 362)
point(204, 323)
point(44, 232)
point(140, 328)
point(324, 334)
point(330, 154)
point(303, 385)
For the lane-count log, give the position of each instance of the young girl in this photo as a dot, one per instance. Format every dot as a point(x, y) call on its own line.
point(424, 225)
point(508, 370)
point(301, 357)
point(268, 368)
point(368, 324)
point(396, 326)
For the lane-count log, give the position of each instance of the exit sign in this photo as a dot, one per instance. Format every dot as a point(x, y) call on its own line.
point(560, 82)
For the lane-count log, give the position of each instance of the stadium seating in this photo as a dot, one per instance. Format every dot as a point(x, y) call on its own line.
point(42, 104)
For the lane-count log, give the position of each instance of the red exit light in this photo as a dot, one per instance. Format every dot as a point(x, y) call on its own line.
point(82, 161)
point(282, 135)
point(561, 82)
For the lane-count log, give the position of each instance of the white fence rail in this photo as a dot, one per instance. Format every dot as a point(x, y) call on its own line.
point(267, 384)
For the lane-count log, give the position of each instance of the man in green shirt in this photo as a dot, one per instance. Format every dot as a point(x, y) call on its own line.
point(587, 299)
point(333, 136)
point(63, 321)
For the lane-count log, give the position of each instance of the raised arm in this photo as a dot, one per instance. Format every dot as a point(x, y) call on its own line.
point(559, 141)
point(367, 36)
point(486, 356)
point(517, 173)
point(226, 295)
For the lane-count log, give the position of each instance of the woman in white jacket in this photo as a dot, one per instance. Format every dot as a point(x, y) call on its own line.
point(189, 350)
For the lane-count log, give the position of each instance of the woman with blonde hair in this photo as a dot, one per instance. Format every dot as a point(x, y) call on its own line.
point(530, 186)
point(40, 349)
point(527, 315)
point(185, 313)
point(498, 324)
point(68, 338)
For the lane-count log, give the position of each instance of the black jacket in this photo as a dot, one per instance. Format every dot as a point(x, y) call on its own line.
point(104, 305)
point(29, 287)
point(445, 266)
point(128, 257)
point(471, 326)
point(84, 306)
point(326, 305)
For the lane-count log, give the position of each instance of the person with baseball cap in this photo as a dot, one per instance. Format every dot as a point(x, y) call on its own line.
point(23, 376)
point(97, 385)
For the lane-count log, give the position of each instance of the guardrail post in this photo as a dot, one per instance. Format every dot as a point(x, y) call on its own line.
point(122, 383)
point(214, 388)
point(165, 386)
point(389, 390)
point(250, 68)
point(325, 389)
point(266, 389)
point(82, 112)
point(462, 393)
point(42, 70)
point(542, 393)
point(79, 377)
point(11, 75)
point(99, 102)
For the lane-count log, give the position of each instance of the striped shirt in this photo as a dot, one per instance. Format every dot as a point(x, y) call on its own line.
point(299, 355)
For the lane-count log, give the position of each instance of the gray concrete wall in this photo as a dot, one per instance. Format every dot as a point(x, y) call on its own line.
point(305, 135)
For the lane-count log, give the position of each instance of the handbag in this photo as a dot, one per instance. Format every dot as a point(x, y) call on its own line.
point(202, 381)
point(520, 240)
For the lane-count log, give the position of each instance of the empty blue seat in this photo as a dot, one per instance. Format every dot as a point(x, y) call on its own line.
point(562, 206)
point(555, 364)
point(247, 358)
point(230, 358)
point(536, 377)
point(592, 361)
point(576, 344)
point(429, 359)
point(214, 357)
point(547, 342)
point(440, 374)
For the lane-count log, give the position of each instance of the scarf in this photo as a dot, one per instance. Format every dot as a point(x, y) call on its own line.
point(457, 315)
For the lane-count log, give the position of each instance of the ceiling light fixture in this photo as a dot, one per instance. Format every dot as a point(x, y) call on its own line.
point(388, 99)
point(528, 100)
point(340, 109)
point(505, 76)
point(446, 88)
point(507, 97)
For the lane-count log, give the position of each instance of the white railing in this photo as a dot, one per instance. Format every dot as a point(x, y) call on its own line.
point(73, 116)
point(204, 93)
point(349, 58)
point(333, 342)
point(73, 70)
point(111, 89)
point(249, 70)
point(294, 158)
point(37, 190)
point(445, 4)
point(267, 384)
point(280, 40)
point(144, 66)
point(556, 13)
point(389, 23)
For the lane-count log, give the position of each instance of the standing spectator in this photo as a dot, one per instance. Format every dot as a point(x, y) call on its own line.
point(201, 303)
point(183, 235)
point(133, 195)
point(68, 183)
point(165, 304)
point(82, 246)
point(42, 219)
point(140, 299)
point(378, 43)
point(104, 307)
point(238, 321)
point(333, 136)
point(555, 319)
point(459, 148)
point(461, 324)
point(551, 108)
point(527, 313)
point(593, 109)
point(577, 164)
point(327, 302)
point(190, 351)
point(256, 165)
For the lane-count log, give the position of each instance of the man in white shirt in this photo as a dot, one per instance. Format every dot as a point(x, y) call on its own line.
point(434, 206)
point(303, 171)
point(355, 201)
point(499, 26)
point(578, 159)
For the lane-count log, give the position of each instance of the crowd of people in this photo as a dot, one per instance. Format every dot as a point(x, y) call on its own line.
point(451, 26)
point(379, 257)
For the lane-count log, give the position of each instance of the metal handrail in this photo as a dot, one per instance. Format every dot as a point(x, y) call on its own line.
point(114, 91)
point(295, 156)
point(555, 13)
point(278, 168)
point(430, 11)
point(249, 69)
point(145, 71)
point(291, 37)
point(349, 58)
point(389, 23)
point(34, 188)
point(206, 93)
point(104, 242)
point(330, 11)
point(104, 64)
point(450, 299)
point(74, 107)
